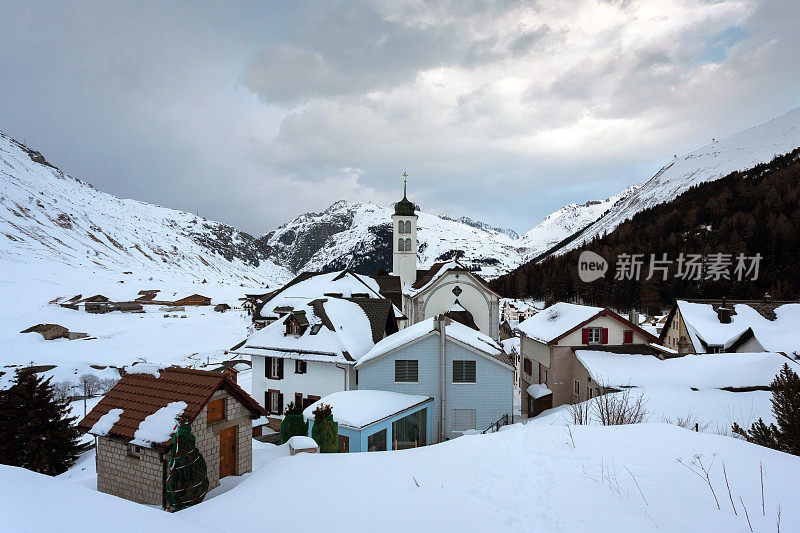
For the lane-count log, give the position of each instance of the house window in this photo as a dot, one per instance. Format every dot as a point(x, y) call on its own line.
point(595, 335)
point(377, 442)
point(588, 393)
point(274, 402)
point(542, 374)
point(215, 410)
point(300, 367)
point(298, 399)
point(406, 371)
point(528, 366)
point(464, 419)
point(274, 369)
point(134, 450)
point(627, 336)
point(577, 388)
point(464, 372)
point(410, 431)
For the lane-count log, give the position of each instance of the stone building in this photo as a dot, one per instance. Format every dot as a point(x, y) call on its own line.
point(134, 422)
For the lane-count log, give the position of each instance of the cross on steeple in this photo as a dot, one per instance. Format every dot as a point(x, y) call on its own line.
point(405, 180)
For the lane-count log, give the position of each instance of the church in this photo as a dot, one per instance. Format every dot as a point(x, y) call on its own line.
point(446, 288)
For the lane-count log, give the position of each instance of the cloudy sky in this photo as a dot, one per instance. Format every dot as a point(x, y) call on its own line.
point(253, 112)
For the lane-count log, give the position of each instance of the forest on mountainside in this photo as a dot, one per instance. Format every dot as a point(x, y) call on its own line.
point(756, 211)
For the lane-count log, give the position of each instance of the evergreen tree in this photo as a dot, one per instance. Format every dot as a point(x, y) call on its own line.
point(36, 429)
point(187, 477)
point(786, 407)
point(325, 431)
point(293, 423)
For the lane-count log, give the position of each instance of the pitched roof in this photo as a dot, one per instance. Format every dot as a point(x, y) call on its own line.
point(141, 395)
point(470, 337)
point(560, 319)
point(391, 288)
point(426, 278)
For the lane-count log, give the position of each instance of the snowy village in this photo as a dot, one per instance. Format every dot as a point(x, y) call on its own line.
point(375, 325)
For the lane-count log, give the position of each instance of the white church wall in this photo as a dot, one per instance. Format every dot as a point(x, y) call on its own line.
point(474, 299)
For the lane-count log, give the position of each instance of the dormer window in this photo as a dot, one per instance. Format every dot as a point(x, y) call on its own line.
point(292, 328)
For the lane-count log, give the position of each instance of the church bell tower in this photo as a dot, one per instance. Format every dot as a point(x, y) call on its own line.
point(404, 240)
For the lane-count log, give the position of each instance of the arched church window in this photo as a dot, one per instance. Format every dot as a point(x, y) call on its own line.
point(408, 226)
point(401, 227)
point(400, 246)
point(408, 245)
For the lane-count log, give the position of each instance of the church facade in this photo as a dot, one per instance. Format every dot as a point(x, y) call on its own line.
point(446, 288)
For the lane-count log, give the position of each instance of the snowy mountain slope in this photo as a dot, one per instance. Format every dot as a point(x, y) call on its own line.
point(46, 214)
point(358, 236)
point(560, 224)
point(744, 150)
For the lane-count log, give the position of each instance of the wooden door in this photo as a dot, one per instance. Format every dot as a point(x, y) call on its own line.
point(227, 452)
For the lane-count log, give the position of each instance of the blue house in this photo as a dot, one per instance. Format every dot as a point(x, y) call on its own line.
point(374, 420)
point(467, 373)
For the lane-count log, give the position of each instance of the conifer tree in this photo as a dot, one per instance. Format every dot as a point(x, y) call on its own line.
point(325, 431)
point(786, 407)
point(293, 423)
point(36, 429)
point(187, 474)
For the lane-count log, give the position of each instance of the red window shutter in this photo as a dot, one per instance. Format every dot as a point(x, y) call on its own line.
point(605, 336)
point(628, 337)
point(585, 336)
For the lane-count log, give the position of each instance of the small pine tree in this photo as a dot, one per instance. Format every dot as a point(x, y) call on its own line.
point(786, 407)
point(293, 423)
point(325, 431)
point(187, 477)
point(36, 429)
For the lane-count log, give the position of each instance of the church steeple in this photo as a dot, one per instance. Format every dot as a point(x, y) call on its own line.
point(404, 242)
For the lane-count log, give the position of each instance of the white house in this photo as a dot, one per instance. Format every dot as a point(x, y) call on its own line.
point(466, 372)
point(309, 350)
point(547, 340)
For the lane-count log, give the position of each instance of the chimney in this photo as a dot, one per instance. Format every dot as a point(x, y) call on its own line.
point(724, 315)
point(634, 317)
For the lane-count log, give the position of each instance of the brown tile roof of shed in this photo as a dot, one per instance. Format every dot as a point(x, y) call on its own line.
point(141, 395)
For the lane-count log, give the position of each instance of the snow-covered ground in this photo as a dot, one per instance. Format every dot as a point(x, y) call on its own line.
point(118, 339)
point(533, 477)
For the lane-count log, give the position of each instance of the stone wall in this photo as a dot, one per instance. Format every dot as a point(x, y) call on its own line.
point(138, 479)
point(207, 436)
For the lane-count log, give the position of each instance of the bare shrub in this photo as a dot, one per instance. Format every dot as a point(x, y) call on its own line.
point(687, 422)
point(581, 413)
point(619, 408)
point(89, 384)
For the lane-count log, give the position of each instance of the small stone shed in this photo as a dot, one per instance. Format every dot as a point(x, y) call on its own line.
point(142, 405)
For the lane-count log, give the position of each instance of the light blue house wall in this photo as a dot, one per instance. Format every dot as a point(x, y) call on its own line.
point(491, 396)
point(359, 437)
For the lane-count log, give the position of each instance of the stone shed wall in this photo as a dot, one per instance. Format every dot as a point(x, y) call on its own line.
point(138, 479)
point(207, 436)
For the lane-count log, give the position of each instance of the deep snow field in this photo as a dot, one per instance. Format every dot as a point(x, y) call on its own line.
point(532, 477)
point(121, 338)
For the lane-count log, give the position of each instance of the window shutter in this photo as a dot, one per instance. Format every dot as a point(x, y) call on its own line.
point(605, 336)
point(266, 402)
point(267, 367)
point(628, 337)
point(280, 403)
point(280, 369)
point(585, 336)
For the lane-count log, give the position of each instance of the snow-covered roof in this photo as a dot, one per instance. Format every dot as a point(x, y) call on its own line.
point(511, 345)
point(338, 332)
point(343, 283)
point(360, 408)
point(702, 323)
point(454, 330)
point(556, 320)
point(300, 442)
point(538, 390)
point(703, 371)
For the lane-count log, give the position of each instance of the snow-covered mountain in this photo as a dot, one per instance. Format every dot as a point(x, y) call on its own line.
point(358, 236)
point(48, 215)
point(744, 150)
point(566, 221)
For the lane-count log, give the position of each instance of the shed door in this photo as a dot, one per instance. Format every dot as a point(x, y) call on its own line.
point(227, 452)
